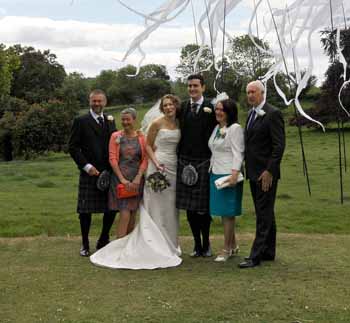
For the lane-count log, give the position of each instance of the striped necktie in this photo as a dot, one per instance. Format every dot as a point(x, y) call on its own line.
point(194, 108)
point(251, 119)
point(100, 121)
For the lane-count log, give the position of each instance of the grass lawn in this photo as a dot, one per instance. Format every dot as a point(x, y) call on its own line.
point(42, 278)
point(39, 197)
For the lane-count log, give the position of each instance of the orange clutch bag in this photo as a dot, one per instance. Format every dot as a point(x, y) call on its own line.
point(123, 193)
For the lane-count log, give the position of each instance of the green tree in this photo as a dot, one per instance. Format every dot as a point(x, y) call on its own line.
point(154, 71)
point(188, 57)
point(75, 88)
point(39, 75)
point(247, 61)
point(9, 62)
point(153, 82)
point(327, 108)
point(42, 128)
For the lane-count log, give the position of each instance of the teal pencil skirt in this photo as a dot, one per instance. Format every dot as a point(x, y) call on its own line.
point(227, 201)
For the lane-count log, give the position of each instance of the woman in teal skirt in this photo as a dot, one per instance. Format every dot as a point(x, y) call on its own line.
point(227, 146)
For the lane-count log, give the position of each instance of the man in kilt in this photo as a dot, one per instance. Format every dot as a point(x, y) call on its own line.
point(88, 146)
point(197, 121)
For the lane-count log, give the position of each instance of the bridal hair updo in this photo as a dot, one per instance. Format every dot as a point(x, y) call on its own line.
point(174, 99)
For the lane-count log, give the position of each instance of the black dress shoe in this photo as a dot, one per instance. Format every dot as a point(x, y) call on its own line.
point(268, 258)
point(248, 264)
point(84, 252)
point(195, 254)
point(264, 258)
point(101, 243)
point(207, 253)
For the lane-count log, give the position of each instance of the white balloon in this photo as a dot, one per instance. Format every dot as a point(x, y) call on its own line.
point(289, 26)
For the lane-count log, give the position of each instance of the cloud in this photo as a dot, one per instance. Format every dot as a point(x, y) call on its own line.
point(89, 48)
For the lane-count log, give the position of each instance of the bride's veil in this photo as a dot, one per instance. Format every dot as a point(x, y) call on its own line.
point(152, 114)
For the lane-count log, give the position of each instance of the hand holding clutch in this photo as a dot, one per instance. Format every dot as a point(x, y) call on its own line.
point(223, 182)
point(123, 192)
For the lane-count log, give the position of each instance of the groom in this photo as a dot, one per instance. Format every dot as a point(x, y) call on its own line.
point(197, 121)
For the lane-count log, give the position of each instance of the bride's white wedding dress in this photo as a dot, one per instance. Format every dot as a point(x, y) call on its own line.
point(153, 243)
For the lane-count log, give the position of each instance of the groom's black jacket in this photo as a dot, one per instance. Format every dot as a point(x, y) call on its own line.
point(196, 130)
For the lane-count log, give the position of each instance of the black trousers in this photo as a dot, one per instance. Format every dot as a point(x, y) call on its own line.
point(264, 246)
point(200, 226)
point(85, 223)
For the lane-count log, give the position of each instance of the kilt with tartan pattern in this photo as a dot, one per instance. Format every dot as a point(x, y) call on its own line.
point(90, 199)
point(196, 197)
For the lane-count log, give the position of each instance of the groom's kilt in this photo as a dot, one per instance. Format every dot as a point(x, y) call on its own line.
point(196, 197)
point(90, 199)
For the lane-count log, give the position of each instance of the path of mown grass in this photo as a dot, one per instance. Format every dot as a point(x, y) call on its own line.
point(44, 280)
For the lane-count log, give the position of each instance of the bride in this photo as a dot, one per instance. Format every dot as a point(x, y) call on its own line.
point(154, 241)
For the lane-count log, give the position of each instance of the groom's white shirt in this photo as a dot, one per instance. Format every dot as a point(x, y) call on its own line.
point(199, 103)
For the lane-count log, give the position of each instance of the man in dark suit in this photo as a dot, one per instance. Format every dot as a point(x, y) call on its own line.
point(197, 121)
point(264, 144)
point(88, 146)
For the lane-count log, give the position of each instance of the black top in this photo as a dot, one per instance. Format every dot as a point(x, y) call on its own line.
point(265, 143)
point(88, 143)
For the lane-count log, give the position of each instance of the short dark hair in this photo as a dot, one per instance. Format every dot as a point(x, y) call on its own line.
point(196, 77)
point(230, 108)
point(174, 99)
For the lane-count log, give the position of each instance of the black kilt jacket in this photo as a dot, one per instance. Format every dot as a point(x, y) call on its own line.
point(88, 144)
point(193, 148)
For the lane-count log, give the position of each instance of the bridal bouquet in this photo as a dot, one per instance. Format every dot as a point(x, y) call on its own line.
point(157, 181)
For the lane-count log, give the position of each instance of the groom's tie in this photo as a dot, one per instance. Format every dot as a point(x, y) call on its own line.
point(194, 108)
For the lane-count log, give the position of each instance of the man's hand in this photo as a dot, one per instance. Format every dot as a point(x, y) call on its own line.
point(93, 171)
point(266, 180)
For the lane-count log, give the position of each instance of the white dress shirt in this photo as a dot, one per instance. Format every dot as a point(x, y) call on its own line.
point(199, 103)
point(258, 109)
point(227, 151)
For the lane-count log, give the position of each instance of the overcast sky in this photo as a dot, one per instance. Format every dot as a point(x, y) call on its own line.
point(89, 35)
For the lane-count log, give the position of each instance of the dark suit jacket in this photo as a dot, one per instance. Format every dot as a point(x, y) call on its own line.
point(88, 143)
point(265, 143)
point(195, 133)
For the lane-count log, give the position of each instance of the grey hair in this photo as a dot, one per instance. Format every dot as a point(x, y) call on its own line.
point(258, 84)
point(97, 92)
point(131, 111)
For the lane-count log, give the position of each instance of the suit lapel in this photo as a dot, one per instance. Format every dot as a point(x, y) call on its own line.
point(258, 119)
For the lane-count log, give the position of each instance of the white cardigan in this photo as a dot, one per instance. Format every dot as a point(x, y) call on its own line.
point(227, 152)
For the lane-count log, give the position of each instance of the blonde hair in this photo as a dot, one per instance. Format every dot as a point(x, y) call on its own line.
point(174, 99)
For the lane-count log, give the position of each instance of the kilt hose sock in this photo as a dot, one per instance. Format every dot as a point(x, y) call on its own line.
point(85, 223)
point(200, 226)
point(108, 219)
